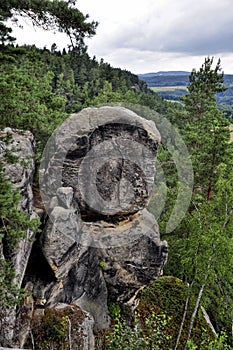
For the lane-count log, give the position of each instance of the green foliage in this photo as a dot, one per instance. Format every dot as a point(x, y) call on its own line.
point(27, 100)
point(14, 223)
point(13, 227)
point(207, 131)
point(203, 86)
point(150, 335)
point(142, 334)
point(57, 329)
point(202, 247)
point(156, 322)
point(102, 264)
point(114, 311)
point(49, 15)
point(38, 88)
point(167, 295)
point(10, 157)
point(219, 343)
point(10, 293)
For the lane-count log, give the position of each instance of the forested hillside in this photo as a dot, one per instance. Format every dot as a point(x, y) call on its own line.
point(173, 85)
point(39, 88)
point(60, 83)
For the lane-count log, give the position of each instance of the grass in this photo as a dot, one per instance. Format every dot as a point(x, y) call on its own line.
point(168, 88)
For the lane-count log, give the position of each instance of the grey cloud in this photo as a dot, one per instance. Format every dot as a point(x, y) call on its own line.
point(195, 31)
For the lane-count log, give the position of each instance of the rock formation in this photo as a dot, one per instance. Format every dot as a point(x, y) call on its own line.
point(17, 151)
point(20, 146)
point(99, 242)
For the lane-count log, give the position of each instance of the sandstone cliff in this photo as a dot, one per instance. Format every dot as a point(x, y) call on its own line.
point(99, 243)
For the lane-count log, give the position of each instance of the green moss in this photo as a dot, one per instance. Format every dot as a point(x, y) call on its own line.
point(156, 320)
point(102, 264)
point(51, 331)
point(167, 295)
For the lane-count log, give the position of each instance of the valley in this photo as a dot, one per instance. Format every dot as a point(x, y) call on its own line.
point(173, 85)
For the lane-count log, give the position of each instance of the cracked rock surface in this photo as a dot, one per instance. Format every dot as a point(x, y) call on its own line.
point(99, 242)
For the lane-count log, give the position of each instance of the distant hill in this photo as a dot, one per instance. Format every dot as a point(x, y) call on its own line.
point(174, 78)
point(172, 85)
point(159, 79)
point(163, 73)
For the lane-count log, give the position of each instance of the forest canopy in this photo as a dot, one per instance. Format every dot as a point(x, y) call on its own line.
point(58, 15)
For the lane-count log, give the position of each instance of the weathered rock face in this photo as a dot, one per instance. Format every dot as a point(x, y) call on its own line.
point(137, 261)
point(17, 156)
point(107, 156)
point(17, 151)
point(78, 276)
point(99, 242)
point(102, 162)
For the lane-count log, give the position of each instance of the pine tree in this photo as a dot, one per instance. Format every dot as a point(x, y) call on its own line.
point(207, 132)
point(203, 243)
point(27, 99)
point(49, 15)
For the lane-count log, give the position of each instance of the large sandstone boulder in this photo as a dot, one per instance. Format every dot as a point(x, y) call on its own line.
point(107, 155)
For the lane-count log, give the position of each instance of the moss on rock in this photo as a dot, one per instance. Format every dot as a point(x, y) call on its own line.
point(57, 328)
point(167, 295)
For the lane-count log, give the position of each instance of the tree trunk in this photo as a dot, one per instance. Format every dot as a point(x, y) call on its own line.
point(183, 318)
point(194, 314)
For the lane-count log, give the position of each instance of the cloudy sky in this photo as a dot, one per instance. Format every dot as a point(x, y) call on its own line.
point(153, 35)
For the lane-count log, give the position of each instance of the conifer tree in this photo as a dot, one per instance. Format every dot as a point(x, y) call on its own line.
point(207, 131)
point(204, 239)
point(61, 15)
